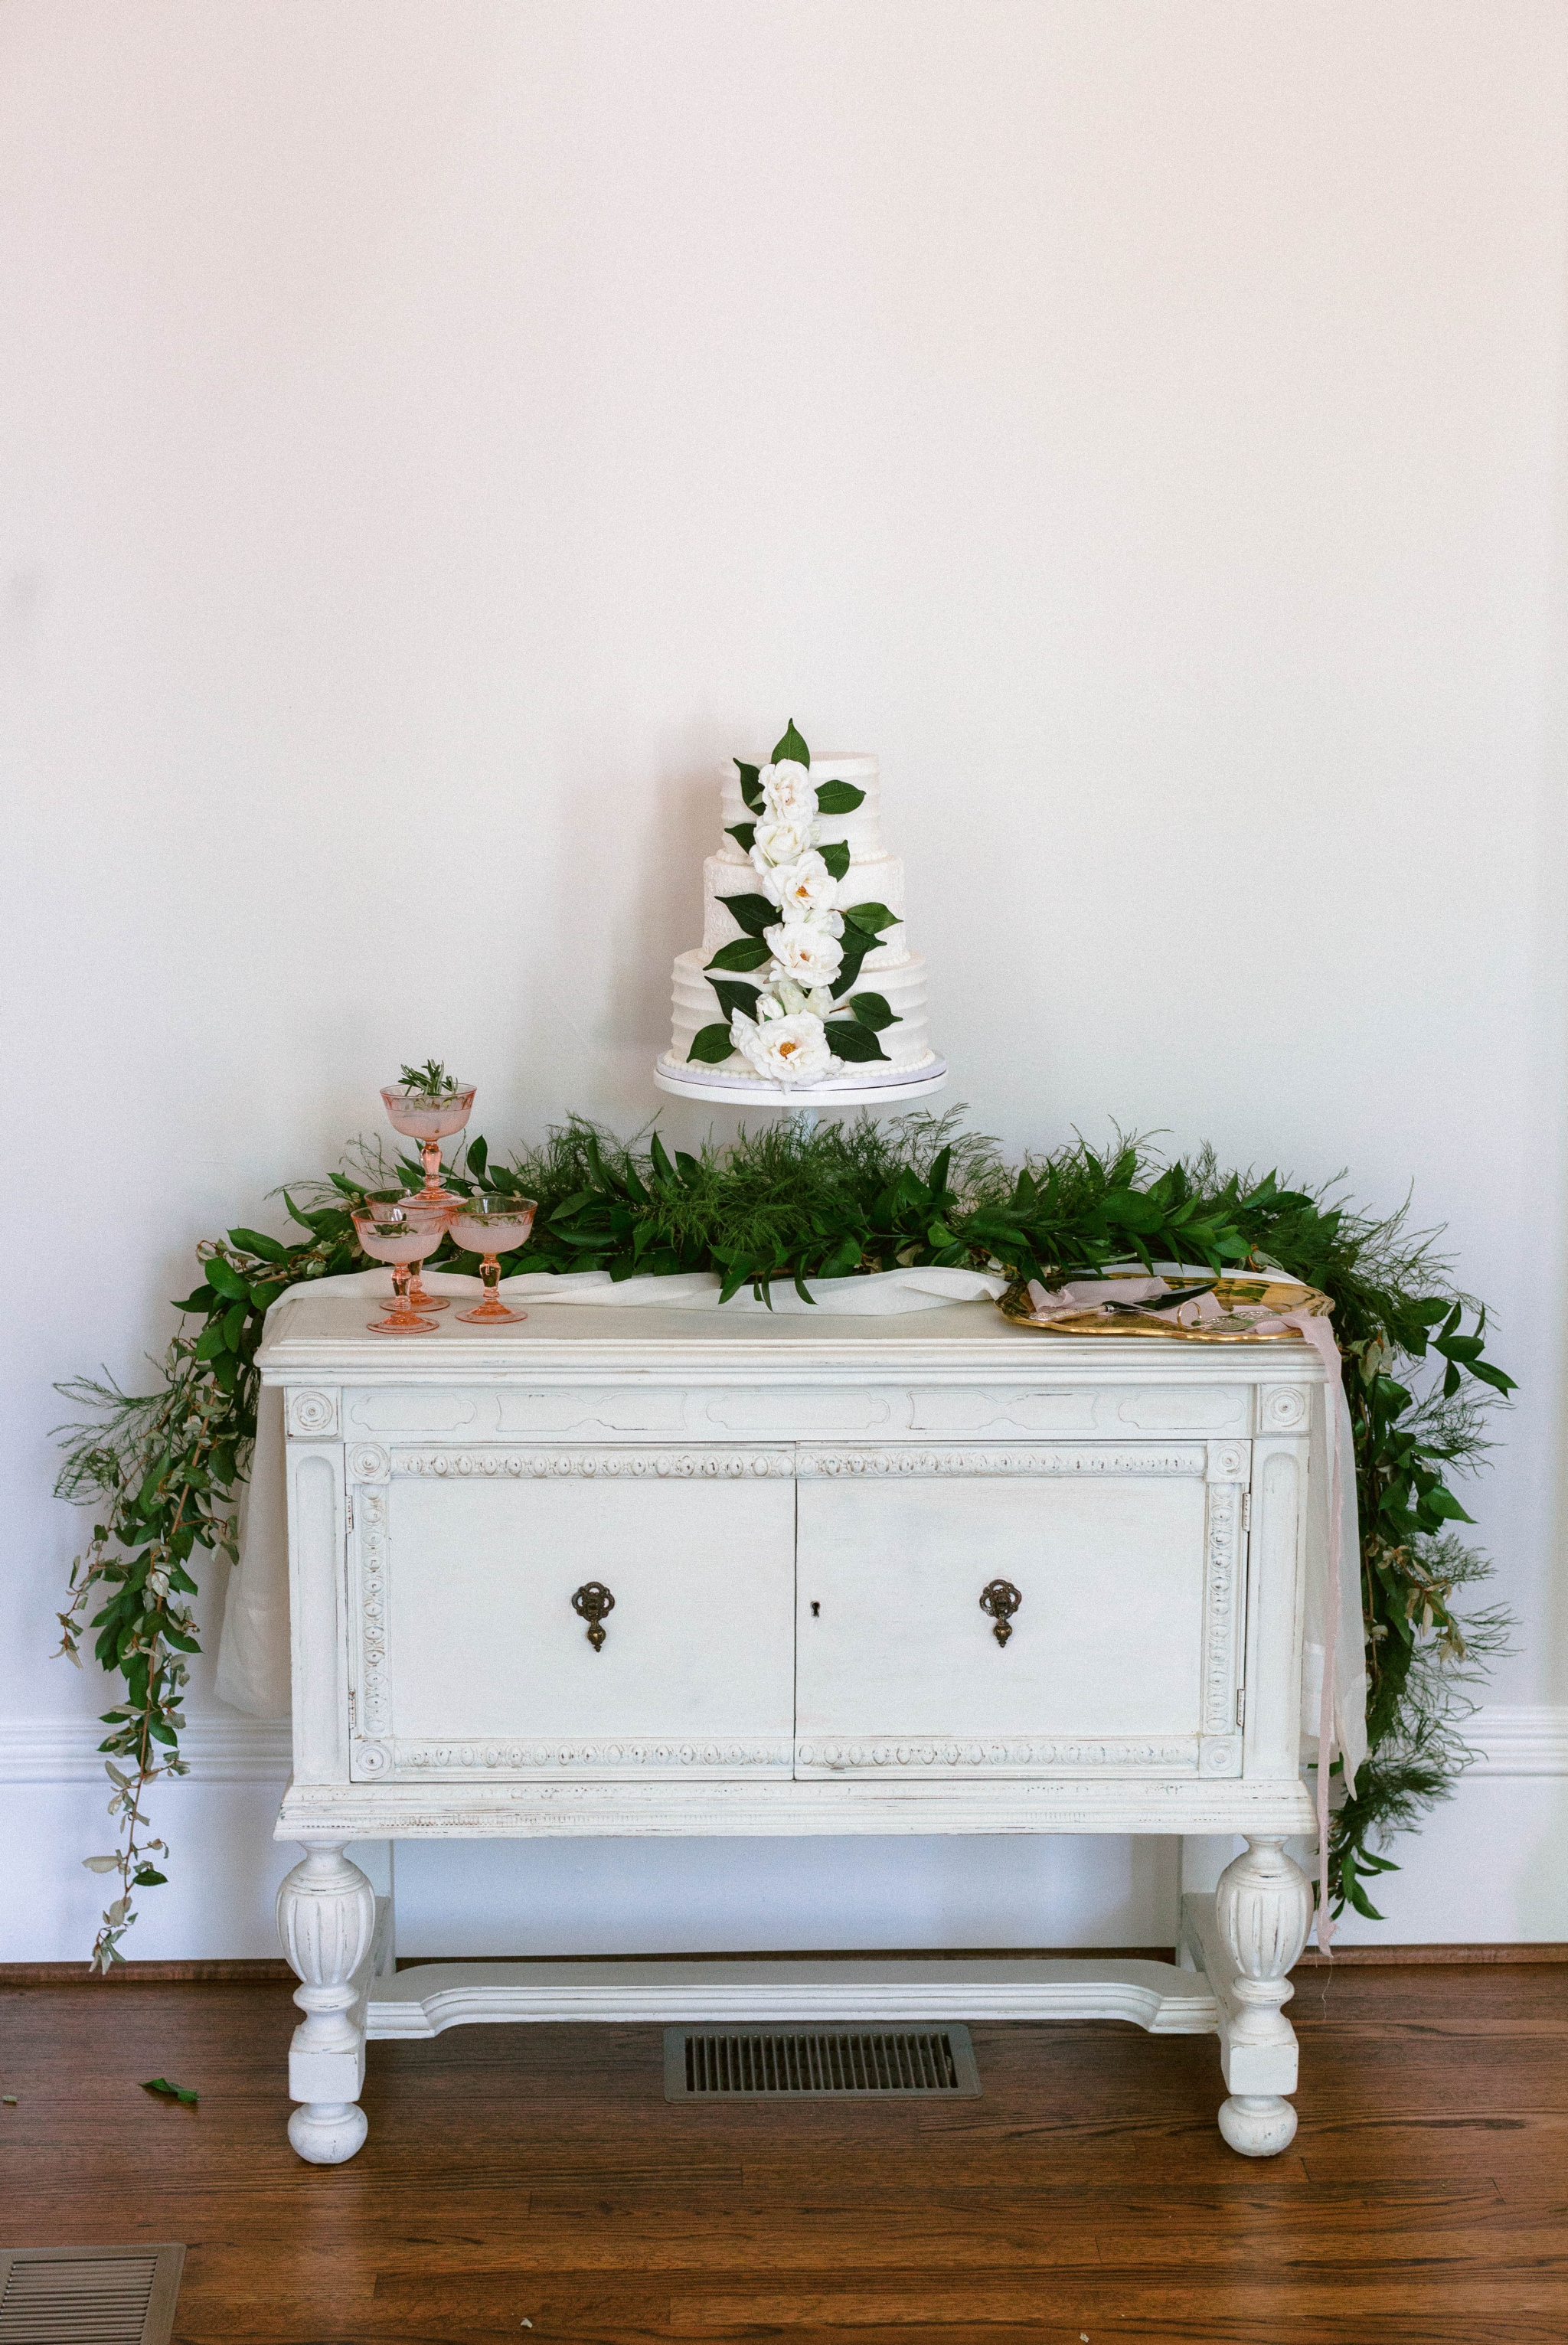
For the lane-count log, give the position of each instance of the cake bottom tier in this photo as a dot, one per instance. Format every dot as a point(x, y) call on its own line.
point(906, 1043)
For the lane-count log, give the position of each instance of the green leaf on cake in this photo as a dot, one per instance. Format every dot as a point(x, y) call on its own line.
point(872, 918)
point(849, 1040)
point(839, 798)
point(873, 1011)
point(752, 913)
point(792, 746)
point(836, 856)
point(750, 787)
point(733, 996)
point(856, 945)
point(710, 1044)
point(743, 833)
point(746, 952)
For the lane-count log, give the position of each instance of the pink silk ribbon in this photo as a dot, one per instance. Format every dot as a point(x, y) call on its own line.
point(1086, 1294)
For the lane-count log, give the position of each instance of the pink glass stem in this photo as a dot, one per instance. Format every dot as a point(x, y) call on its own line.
point(420, 1299)
point(492, 1308)
point(429, 1157)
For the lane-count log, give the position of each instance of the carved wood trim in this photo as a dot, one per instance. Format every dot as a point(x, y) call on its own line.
point(979, 1754)
point(311, 1416)
point(1089, 1460)
point(1221, 1606)
point(490, 1754)
point(601, 1464)
point(371, 1531)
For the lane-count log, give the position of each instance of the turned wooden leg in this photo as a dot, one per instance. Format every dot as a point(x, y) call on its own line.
point(1263, 1907)
point(326, 1920)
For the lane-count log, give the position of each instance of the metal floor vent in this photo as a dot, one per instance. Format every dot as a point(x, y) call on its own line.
point(778, 2064)
point(88, 2296)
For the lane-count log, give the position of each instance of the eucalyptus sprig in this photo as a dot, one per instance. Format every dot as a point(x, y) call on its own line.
point(430, 1081)
point(785, 1204)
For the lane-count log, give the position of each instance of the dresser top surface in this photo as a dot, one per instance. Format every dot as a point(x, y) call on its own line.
point(325, 1337)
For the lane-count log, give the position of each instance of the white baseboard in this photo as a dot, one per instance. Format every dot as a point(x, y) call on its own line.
point(1519, 1739)
point(218, 1751)
point(1510, 1739)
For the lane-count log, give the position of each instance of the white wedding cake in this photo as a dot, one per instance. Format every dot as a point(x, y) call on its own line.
point(805, 977)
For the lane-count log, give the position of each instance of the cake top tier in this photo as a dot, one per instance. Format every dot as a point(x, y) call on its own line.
point(861, 830)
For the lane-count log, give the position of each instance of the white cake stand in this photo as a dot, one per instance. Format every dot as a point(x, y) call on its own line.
point(864, 1089)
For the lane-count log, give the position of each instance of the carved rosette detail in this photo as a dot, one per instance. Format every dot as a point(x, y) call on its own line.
point(595, 1465)
point(1284, 1407)
point(368, 1462)
point(372, 1590)
point(1221, 1559)
point(431, 1758)
point(962, 1751)
point(313, 1415)
point(882, 1464)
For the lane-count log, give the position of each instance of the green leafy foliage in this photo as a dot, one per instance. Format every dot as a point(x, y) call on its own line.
point(790, 745)
point(167, 2092)
point(852, 1040)
point(750, 913)
point(750, 786)
point(839, 798)
point(431, 1081)
point(734, 995)
point(871, 1009)
point(835, 854)
point(711, 1043)
point(166, 1467)
point(746, 952)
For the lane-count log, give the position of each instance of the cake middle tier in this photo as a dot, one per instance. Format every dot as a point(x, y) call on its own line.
point(879, 880)
point(696, 1005)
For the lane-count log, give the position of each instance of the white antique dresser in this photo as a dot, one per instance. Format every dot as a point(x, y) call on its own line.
point(643, 1572)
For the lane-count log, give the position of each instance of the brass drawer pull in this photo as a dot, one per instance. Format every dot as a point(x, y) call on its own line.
point(591, 1603)
point(1002, 1600)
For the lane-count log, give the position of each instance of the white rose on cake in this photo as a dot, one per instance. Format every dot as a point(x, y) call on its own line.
point(781, 842)
point(802, 889)
point(788, 1049)
point(805, 951)
point(785, 999)
point(787, 791)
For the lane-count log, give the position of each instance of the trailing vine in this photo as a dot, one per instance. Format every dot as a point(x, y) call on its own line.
point(166, 1467)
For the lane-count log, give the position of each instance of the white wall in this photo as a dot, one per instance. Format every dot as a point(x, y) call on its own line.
point(435, 438)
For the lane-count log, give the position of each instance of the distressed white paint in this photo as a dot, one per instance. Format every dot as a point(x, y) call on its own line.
point(793, 1639)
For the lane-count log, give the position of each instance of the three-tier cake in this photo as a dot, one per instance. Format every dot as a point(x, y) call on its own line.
point(804, 980)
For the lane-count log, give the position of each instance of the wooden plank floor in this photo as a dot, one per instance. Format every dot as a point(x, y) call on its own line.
point(537, 2175)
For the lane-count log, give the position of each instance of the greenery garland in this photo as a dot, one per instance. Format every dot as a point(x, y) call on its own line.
point(841, 1200)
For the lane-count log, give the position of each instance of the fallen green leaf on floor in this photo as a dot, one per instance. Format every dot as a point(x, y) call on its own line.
point(10, 2099)
point(170, 2091)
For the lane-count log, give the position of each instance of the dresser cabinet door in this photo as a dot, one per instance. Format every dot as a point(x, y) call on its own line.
point(1110, 1639)
point(473, 1660)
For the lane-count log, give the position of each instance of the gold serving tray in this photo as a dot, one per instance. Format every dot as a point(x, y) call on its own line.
point(1276, 1294)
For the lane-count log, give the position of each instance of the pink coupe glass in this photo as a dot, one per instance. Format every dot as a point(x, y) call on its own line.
point(429, 1119)
point(493, 1223)
point(401, 1231)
